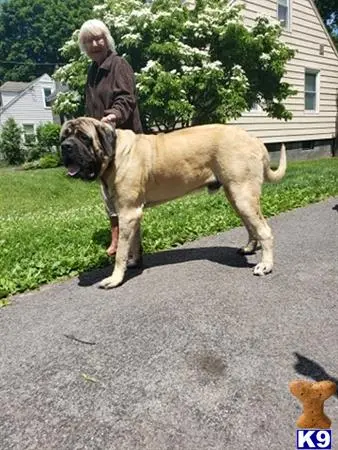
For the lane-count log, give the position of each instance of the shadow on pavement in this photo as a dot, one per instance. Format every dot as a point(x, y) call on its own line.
point(228, 256)
point(311, 369)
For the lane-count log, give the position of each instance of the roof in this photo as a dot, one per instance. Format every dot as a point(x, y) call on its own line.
point(14, 86)
point(334, 48)
point(21, 92)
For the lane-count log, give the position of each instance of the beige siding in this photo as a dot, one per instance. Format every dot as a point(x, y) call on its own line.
point(306, 35)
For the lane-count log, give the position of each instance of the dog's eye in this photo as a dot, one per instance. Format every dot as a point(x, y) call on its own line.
point(85, 138)
point(64, 135)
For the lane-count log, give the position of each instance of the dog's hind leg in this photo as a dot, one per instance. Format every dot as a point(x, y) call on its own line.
point(252, 244)
point(245, 198)
point(129, 223)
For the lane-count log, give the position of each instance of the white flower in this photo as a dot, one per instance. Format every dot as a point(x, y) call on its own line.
point(265, 57)
point(214, 65)
point(131, 37)
point(189, 69)
point(141, 13)
point(192, 51)
point(119, 22)
point(238, 68)
point(150, 65)
point(97, 8)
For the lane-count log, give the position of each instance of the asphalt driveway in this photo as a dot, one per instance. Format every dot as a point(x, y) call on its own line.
point(192, 353)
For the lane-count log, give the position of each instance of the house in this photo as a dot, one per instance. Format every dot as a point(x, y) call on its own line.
point(313, 72)
point(27, 103)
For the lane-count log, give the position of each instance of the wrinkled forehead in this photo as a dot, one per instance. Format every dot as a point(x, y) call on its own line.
point(71, 126)
point(67, 129)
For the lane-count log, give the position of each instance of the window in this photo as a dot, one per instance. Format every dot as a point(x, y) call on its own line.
point(311, 90)
point(46, 93)
point(284, 13)
point(28, 133)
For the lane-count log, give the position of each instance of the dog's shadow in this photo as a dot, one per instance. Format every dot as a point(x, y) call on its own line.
point(307, 367)
point(228, 256)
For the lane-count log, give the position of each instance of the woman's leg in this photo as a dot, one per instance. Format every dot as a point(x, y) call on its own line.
point(113, 217)
point(114, 225)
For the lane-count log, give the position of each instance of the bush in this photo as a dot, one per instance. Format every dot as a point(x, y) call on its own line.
point(48, 136)
point(46, 142)
point(48, 161)
point(29, 165)
point(33, 151)
point(11, 144)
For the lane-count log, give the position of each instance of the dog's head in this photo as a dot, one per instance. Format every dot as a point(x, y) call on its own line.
point(87, 147)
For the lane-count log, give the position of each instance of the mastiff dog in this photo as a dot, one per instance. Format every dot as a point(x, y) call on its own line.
point(140, 170)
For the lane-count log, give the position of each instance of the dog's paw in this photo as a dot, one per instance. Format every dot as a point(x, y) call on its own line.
point(110, 282)
point(262, 269)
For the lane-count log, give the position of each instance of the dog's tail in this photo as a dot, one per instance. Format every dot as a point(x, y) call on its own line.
point(278, 174)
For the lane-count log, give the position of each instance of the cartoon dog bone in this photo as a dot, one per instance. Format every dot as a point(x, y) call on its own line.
point(313, 395)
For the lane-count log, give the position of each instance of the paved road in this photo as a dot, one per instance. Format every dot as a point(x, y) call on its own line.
point(194, 353)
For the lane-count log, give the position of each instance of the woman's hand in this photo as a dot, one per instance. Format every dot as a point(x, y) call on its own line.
point(111, 119)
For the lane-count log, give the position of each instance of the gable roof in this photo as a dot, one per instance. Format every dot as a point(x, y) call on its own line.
point(13, 86)
point(323, 26)
point(22, 92)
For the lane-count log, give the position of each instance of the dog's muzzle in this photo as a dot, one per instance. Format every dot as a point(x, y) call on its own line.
point(67, 150)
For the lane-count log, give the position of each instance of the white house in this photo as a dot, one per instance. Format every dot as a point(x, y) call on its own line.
point(314, 74)
point(27, 103)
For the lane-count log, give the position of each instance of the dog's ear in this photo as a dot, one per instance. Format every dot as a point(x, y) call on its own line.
point(107, 137)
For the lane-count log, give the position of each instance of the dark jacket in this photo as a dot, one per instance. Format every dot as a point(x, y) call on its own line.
point(110, 88)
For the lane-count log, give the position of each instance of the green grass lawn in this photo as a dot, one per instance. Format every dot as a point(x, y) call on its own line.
point(52, 226)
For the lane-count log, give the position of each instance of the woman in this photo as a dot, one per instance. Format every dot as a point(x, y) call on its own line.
point(110, 95)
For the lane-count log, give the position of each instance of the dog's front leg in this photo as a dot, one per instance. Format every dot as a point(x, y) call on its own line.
point(129, 222)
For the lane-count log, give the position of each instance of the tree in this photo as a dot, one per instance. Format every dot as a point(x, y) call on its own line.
point(11, 146)
point(329, 11)
point(192, 66)
point(31, 33)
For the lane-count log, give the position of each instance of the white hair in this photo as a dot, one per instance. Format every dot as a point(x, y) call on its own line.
point(95, 27)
